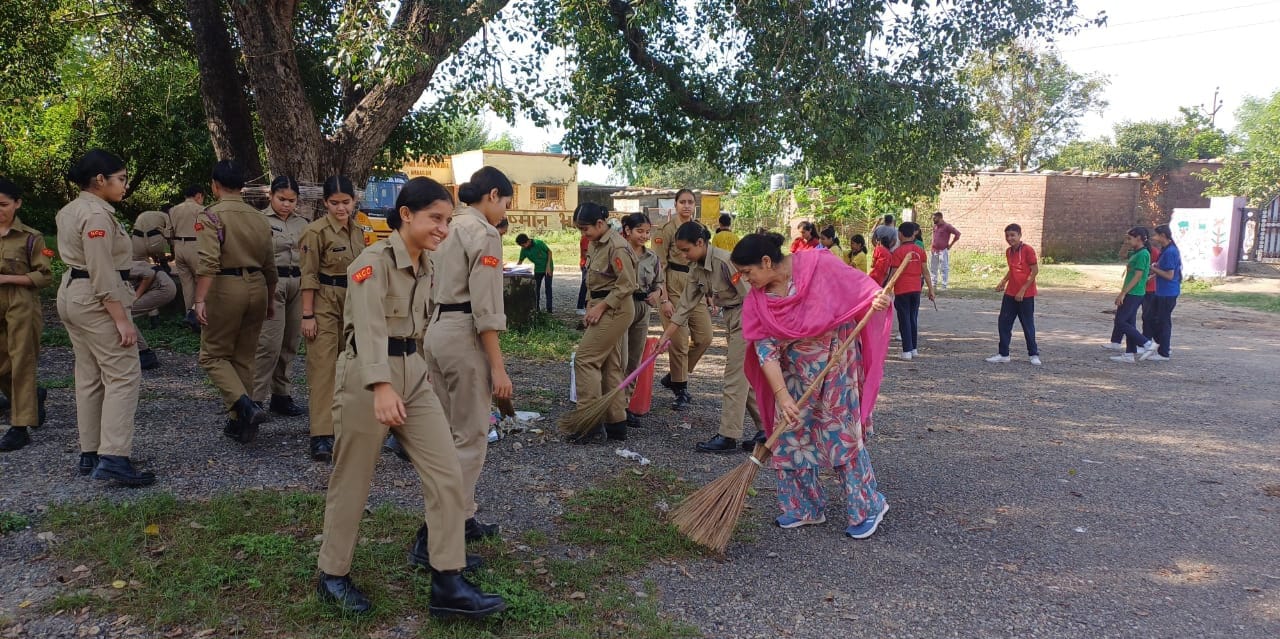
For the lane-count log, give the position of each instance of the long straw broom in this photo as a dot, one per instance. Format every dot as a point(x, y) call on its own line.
point(588, 415)
point(709, 516)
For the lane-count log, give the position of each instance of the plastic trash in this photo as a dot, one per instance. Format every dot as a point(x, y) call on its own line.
point(632, 455)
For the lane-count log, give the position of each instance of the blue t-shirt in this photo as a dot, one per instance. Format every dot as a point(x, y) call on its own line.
point(1170, 260)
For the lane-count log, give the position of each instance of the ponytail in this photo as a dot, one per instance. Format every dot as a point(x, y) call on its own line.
point(691, 232)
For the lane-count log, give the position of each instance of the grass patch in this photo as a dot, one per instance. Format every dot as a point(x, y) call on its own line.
point(563, 245)
point(12, 522)
point(1256, 301)
point(55, 336)
point(976, 274)
point(66, 381)
point(171, 334)
point(544, 339)
point(245, 564)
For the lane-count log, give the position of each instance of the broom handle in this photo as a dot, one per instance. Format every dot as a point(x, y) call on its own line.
point(831, 363)
point(640, 368)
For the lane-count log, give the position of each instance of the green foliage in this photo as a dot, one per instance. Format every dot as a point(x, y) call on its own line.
point(545, 339)
point(755, 206)
point(31, 34)
point(851, 208)
point(1253, 172)
point(12, 522)
point(1149, 147)
point(1029, 102)
point(688, 174)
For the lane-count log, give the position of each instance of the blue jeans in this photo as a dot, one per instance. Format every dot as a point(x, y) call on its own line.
point(1024, 312)
point(1127, 323)
point(1162, 318)
point(538, 279)
point(907, 307)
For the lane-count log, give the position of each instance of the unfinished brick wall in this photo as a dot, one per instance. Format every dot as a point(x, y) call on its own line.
point(1179, 188)
point(980, 206)
point(1087, 216)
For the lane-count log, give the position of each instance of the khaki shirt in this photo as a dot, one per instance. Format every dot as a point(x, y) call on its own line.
point(468, 267)
point(648, 273)
point(153, 220)
point(285, 234)
point(611, 266)
point(139, 270)
point(328, 249)
point(23, 252)
point(91, 239)
point(664, 242)
point(712, 276)
point(387, 295)
point(245, 240)
point(182, 218)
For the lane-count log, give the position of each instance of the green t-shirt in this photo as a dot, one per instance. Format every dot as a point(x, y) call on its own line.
point(539, 254)
point(1139, 262)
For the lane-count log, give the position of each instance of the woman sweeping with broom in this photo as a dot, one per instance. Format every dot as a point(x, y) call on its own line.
point(800, 309)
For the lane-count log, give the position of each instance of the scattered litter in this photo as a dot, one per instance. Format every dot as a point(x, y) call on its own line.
point(684, 426)
point(494, 435)
point(1090, 461)
point(500, 427)
point(1081, 529)
point(633, 455)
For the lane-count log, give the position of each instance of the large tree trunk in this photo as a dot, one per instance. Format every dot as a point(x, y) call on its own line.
point(226, 107)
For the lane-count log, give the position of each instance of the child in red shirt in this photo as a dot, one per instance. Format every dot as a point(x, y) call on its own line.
point(880, 259)
point(1019, 286)
point(906, 291)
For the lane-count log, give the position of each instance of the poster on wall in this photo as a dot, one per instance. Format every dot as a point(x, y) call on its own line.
point(1209, 239)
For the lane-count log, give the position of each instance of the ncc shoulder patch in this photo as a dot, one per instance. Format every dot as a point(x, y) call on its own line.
point(97, 233)
point(363, 274)
point(737, 277)
point(199, 226)
point(489, 260)
point(617, 262)
point(47, 252)
point(657, 240)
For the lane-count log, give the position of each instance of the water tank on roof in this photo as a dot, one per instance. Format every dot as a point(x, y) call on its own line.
point(777, 181)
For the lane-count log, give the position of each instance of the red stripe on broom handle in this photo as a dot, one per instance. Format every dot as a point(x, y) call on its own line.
point(835, 358)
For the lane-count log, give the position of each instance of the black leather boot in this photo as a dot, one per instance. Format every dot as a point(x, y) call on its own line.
point(251, 416)
point(120, 470)
point(633, 420)
point(420, 557)
point(284, 405)
point(232, 428)
point(718, 444)
point(342, 593)
point(88, 461)
point(683, 399)
point(594, 436)
point(667, 383)
point(475, 531)
point(749, 445)
point(322, 448)
point(453, 596)
point(148, 360)
point(41, 395)
point(616, 431)
point(14, 438)
point(392, 444)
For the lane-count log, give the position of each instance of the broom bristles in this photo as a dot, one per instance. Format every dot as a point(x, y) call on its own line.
point(587, 415)
point(709, 516)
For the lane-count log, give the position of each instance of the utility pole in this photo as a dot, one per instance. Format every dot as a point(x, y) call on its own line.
point(1216, 105)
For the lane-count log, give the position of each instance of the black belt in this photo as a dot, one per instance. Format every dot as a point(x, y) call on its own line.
point(599, 295)
point(184, 239)
point(730, 308)
point(333, 280)
point(396, 346)
point(289, 271)
point(679, 268)
point(461, 307)
point(239, 271)
point(77, 274)
point(639, 297)
point(137, 233)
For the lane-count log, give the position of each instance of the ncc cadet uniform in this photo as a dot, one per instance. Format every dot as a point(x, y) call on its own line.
point(186, 255)
point(467, 299)
point(384, 320)
point(281, 334)
point(328, 248)
point(23, 252)
point(159, 291)
point(599, 364)
point(648, 280)
point(235, 251)
point(684, 353)
point(96, 250)
point(716, 277)
point(150, 237)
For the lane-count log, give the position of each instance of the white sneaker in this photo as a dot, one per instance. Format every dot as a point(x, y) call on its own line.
point(1035, 360)
point(1147, 350)
point(1158, 358)
point(905, 355)
point(998, 359)
point(915, 352)
point(1113, 346)
point(582, 311)
point(1126, 358)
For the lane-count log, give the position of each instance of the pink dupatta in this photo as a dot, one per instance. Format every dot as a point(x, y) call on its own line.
point(829, 293)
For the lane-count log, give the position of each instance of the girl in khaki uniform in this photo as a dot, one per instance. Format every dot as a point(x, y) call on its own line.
point(651, 292)
point(611, 281)
point(462, 344)
point(712, 275)
point(281, 334)
point(23, 272)
point(328, 245)
point(93, 302)
point(384, 383)
point(692, 340)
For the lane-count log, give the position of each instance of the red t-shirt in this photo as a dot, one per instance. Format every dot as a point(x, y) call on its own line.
point(1020, 260)
point(909, 281)
point(583, 246)
point(1151, 279)
point(799, 244)
point(880, 264)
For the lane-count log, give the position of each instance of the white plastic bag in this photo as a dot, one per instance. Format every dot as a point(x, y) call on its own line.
point(573, 378)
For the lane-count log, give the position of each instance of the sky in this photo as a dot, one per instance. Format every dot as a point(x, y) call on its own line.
point(1158, 55)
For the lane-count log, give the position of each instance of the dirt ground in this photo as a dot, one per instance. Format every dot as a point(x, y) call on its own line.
point(1081, 498)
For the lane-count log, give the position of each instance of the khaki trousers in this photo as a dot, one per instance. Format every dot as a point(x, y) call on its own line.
point(278, 343)
point(460, 376)
point(357, 445)
point(690, 342)
point(20, 325)
point(598, 366)
point(235, 307)
point(185, 258)
point(636, 334)
point(150, 301)
point(738, 397)
point(107, 374)
point(322, 357)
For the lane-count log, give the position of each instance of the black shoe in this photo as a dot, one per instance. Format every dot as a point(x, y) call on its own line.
point(16, 437)
point(121, 470)
point(683, 400)
point(475, 531)
point(148, 360)
point(594, 436)
point(667, 383)
point(453, 596)
point(4, 402)
point(192, 322)
point(322, 448)
point(41, 395)
point(393, 445)
point(633, 420)
point(284, 405)
point(341, 592)
point(232, 429)
point(88, 461)
point(718, 444)
point(616, 432)
point(749, 445)
point(419, 557)
point(251, 416)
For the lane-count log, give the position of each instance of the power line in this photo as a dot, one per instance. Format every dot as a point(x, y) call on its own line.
point(1174, 36)
point(1193, 13)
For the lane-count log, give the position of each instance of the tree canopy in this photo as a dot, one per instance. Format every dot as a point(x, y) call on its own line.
point(1149, 147)
point(1254, 171)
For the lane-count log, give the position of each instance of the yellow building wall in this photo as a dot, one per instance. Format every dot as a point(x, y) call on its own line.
point(441, 171)
point(556, 176)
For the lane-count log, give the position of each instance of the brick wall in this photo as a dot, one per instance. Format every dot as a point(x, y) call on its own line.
point(1087, 216)
point(1179, 188)
point(980, 206)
